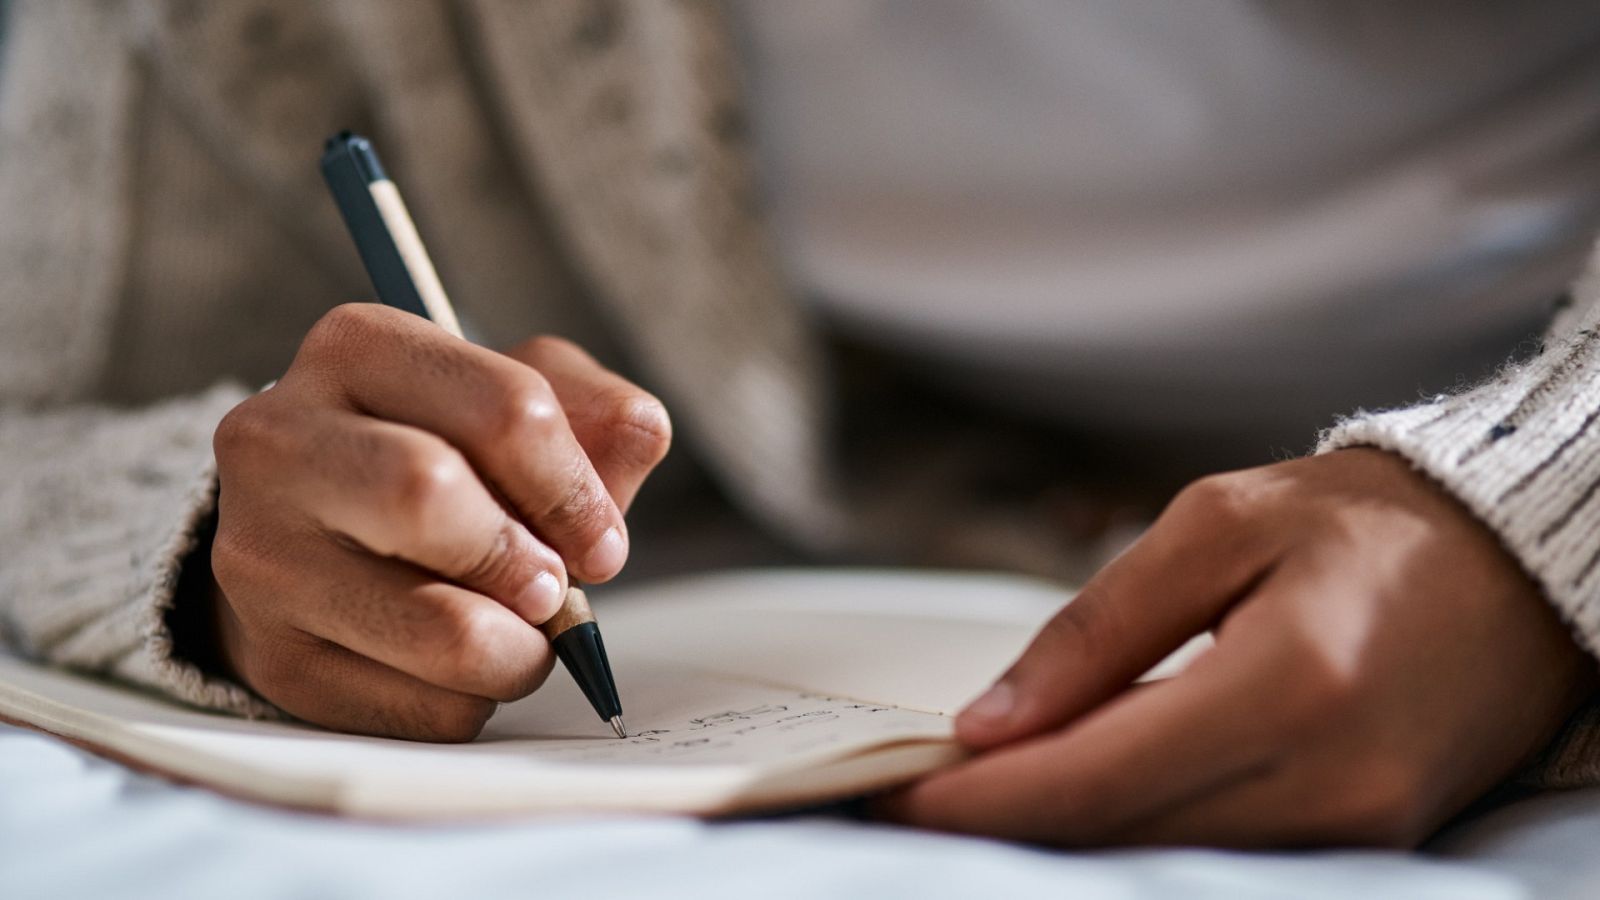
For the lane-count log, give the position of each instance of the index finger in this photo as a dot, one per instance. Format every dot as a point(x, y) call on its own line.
point(401, 492)
point(1145, 752)
point(1174, 582)
point(500, 414)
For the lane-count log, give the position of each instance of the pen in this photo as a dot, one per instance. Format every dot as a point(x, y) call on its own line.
point(404, 277)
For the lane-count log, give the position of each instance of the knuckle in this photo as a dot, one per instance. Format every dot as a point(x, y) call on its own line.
point(347, 335)
point(524, 409)
point(498, 563)
point(544, 346)
point(580, 510)
point(422, 474)
point(241, 430)
point(231, 432)
point(501, 567)
point(1214, 499)
point(339, 329)
point(467, 643)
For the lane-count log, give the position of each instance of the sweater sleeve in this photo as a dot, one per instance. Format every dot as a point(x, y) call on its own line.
point(98, 509)
point(1522, 452)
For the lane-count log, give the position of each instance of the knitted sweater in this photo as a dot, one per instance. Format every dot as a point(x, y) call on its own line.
point(166, 242)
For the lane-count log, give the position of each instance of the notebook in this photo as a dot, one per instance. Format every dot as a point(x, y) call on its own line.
point(744, 692)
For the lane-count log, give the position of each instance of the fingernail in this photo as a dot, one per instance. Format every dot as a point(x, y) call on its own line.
point(994, 705)
point(607, 557)
point(540, 598)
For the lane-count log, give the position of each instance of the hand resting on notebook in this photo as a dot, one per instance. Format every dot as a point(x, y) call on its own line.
point(1380, 663)
point(395, 512)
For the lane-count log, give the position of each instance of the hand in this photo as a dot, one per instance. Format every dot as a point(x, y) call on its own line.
point(1380, 662)
point(395, 512)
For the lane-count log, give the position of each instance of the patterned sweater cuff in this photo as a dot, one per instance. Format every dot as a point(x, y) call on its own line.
point(1522, 452)
point(106, 514)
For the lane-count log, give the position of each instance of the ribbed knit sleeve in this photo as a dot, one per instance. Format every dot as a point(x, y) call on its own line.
point(1522, 453)
point(98, 509)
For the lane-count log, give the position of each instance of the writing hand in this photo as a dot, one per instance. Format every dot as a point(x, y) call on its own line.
point(1380, 662)
point(394, 515)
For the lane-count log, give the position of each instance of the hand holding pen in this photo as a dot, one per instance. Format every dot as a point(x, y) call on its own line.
point(401, 510)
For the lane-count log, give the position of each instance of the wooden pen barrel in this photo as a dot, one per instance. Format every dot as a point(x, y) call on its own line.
point(574, 611)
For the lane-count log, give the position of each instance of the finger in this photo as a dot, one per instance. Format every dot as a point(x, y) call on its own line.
point(624, 430)
point(328, 685)
point(396, 615)
point(402, 492)
point(1140, 754)
point(502, 415)
point(1170, 585)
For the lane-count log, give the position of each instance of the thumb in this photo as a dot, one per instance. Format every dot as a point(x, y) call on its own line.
point(1177, 580)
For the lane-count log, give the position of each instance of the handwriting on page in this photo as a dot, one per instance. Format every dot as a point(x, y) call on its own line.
point(692, 718)
point(799, 727)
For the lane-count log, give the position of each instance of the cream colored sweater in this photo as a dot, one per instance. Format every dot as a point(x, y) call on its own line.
point(165, 242)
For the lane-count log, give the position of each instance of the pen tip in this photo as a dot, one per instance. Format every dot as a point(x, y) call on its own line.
point(618, 727)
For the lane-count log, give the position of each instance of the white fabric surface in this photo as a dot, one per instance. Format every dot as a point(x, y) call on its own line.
point(74, 826)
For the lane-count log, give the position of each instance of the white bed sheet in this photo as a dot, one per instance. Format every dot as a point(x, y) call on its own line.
point(75, 826)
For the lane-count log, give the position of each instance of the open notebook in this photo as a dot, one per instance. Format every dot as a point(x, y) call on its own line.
point(745, 691)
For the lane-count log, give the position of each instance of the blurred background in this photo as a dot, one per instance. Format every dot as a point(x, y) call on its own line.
point(1129, 243)
point(1057, 258)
